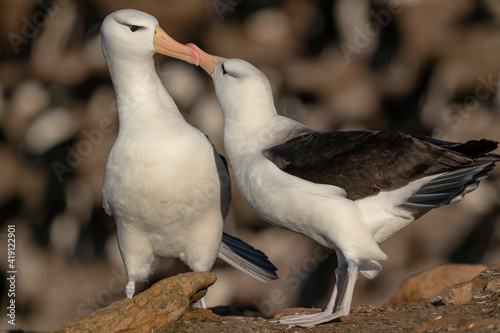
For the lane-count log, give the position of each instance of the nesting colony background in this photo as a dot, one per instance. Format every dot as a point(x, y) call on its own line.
point(421, 66)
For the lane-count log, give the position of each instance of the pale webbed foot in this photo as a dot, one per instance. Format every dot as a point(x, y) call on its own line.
point(312, 319)
point(329, 313)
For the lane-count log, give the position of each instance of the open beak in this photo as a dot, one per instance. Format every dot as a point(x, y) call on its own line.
point(207, 61)
point(166, 45)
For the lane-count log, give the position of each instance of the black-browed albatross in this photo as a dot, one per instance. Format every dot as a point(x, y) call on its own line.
point(164, 182)
point(348, 191)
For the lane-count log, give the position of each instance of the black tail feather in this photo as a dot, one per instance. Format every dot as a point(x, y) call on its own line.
point(246, 258)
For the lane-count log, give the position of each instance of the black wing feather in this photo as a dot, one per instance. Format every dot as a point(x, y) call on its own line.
point(367, 162)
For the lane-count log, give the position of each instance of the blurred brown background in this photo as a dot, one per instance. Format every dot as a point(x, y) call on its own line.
point(421, 66)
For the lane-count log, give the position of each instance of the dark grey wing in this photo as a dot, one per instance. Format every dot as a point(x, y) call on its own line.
point(242, 255)
point(246, 258)
point(367, 162)
point(225, 180)
point(449, 187)
point(224, 161)
point(472, 148)
point(233, 250)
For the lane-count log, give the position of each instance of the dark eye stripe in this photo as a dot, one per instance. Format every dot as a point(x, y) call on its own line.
point(132, 27)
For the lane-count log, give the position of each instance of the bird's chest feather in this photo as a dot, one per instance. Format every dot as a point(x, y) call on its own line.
point(158, 177)
point(272, 194)
point(289, 202)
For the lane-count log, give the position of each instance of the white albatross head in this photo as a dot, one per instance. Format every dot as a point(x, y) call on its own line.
point(132, 34)
point(242, 90)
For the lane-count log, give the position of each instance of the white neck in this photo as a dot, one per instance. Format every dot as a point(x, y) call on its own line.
point(249, 118)
point(141, 97)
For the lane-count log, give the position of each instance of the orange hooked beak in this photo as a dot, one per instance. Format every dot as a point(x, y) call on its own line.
point(166, 45)
point(207, 61)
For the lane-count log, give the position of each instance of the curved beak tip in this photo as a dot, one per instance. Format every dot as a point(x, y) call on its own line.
point(195, 60)
point(207, 61)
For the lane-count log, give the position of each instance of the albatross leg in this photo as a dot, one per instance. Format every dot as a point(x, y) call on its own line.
point(329, 314)
point(130, 288)
point(201, 303)
point(340, 275)
point(130, 291)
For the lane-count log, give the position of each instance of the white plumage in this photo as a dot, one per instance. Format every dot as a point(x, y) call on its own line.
point(165, 184)
point(348, 191)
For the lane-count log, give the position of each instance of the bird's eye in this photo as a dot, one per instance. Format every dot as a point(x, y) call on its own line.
point(224, 72)
point(133, 28)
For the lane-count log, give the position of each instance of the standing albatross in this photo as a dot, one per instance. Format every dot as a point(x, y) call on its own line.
point(164, 182)
point(348, 191)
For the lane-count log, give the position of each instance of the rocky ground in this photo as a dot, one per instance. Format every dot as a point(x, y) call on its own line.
point(470, 306)
point(479, 314)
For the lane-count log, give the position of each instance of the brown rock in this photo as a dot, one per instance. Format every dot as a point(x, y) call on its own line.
point(460, 323)
point(157, 307)
point(493, 287)
point(430, 282)
point(481, 325)
point(198, 315)
point(435, 325)
point(458, 294)
point(296, 311)
point(488, 281)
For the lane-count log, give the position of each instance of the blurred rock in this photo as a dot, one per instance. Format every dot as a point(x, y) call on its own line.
point(11, 166)
point(54, 57)
point(430, 283)
point(14, 15)
point(462, 293)
point(267, 29)
point(155, 308)
point(458, 294)
point(269, 26)
point(353, 18)
point(494, 7)
point(29, 99)
point(182, 82)
point(426, 26)
point(206, 115)
point(50, 129)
